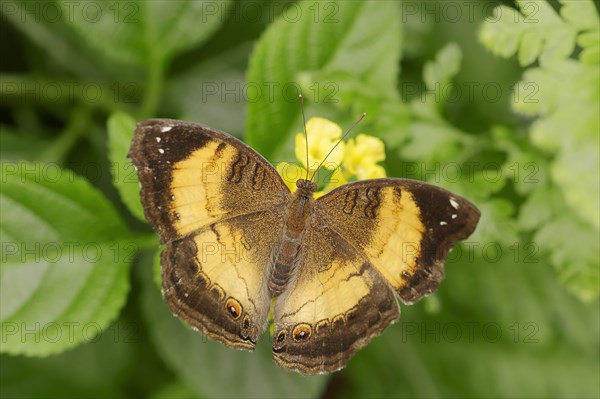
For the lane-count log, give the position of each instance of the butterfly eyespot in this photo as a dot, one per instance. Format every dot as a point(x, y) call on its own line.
point(302, 332)
point(281, 336)
point(234, 308)
point(405, 274)
point(246, 322)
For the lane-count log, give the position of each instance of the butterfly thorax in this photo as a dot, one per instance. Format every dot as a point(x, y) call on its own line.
point(297, 217)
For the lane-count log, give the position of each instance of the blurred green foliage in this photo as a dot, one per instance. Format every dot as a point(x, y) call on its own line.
point(498, 103)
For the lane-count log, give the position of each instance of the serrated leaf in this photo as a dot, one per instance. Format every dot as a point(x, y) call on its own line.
point(539, 207)
point(345, 38)
point(582, 194)
point(590, 43)
point(531, 47)
point(120, 133)
point(581, 14)
point(138, 32)
point(501, 33)
point(207, 366)
point(65, 258)
point(536, 32)
point(438, 73)
point(433, 142)
point(575, 258)
point(496, 223)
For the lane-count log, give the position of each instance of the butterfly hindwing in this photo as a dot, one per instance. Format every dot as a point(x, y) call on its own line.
point(218, 206)
point(216, 280)
point(405, 228)
point(335, 304)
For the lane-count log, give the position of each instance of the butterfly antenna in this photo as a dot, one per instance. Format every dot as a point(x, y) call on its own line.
point(305, 134)
point(336, 144)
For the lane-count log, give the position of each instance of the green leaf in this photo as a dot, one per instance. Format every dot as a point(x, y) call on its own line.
point(573, 249)
point(524, 166)
point(208, 366)
point(539, 207)
point(138, 32)
point(495, 225)
point(438, 73)
point(64, 376)
point(581, 193)
point(341, 37)
point(120, 133)
point(65, 259)
point(581, 14)
point(17, 146)
point(567, 89)
point(500, 33)
point(432, 142)
point(570, 242)
point(590, 42)
point(219, 84)
point(536, 32)
point(44, 24)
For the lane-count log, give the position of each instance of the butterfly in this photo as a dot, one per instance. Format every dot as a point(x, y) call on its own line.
point(237, 239)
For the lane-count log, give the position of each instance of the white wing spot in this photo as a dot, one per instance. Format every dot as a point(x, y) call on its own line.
point(453, 203)
point(158, 139)
point(165, 129)
point(160, 150)
point(454, 215)
point(442, 223)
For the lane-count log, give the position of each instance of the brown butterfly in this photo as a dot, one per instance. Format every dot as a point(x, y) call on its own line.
point(236, 238)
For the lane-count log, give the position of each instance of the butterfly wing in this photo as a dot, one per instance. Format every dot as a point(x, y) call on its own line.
point(366, 240)
point(335, 304)
point(217, 205)
point(404, 227)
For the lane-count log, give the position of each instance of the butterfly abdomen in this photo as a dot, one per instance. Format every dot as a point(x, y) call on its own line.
point(286, 256)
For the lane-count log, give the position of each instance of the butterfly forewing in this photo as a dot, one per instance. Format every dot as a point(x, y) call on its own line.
point(405, 228)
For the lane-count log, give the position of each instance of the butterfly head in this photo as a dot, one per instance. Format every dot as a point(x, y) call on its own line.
point(307, 187)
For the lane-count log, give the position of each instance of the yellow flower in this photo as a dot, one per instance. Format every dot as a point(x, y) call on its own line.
point(355, 160)
point(362, 155)
point(365, 172)
point(323, 135)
